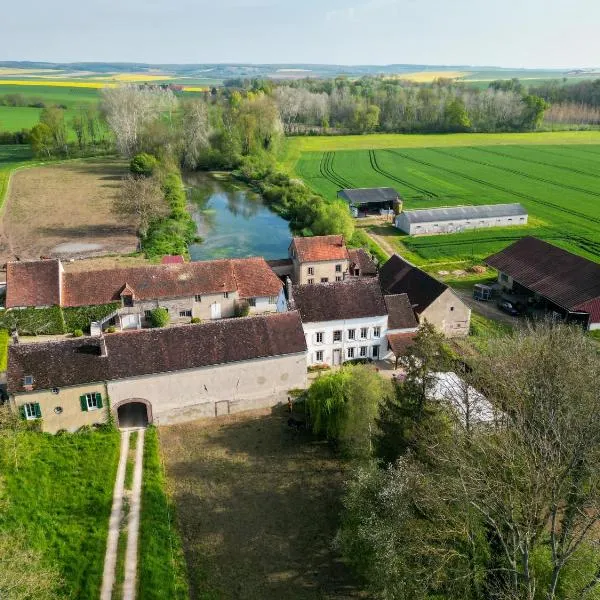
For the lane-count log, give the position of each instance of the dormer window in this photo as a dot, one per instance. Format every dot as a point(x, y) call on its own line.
point(127, 300)
point(28, 381)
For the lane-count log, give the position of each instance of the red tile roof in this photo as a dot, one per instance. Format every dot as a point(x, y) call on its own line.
point(251, 277)
point(148, 351)
point(32, 283)
point(172, 260)
point(560, 276)
point(255, 279)
point(400, 342)
point(320, 248)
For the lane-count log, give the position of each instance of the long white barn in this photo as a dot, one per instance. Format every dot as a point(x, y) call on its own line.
point(458, 218)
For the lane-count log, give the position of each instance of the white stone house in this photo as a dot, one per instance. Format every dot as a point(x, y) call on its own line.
point(345, 321)
point(454, 219)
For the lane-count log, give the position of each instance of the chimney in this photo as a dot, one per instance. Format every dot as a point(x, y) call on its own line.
point(103, 348)
point(288, 291)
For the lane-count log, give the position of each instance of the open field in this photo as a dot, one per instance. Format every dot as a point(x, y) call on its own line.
point(11, 157)
point(57, 498)
point(65, 210)
point(559, 184)
point(257, 507)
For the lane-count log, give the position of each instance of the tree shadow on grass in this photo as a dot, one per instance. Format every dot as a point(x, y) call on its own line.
point(82, 231)
point(259, 506)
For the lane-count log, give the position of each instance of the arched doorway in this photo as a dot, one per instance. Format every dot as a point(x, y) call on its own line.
point(134, 412)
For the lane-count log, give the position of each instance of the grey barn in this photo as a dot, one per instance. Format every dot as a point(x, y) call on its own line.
point(364, 200)
point(458, 218)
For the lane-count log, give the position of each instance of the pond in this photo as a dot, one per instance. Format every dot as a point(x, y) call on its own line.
point(233, 221)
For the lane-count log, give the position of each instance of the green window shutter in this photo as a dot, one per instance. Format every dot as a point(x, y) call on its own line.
point(22, 411)
point(38, 410)
point(83, 403)
point(99, 399)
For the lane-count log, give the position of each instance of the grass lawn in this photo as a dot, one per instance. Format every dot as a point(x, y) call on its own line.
point(11, 157)
point(258, 508)
point(4, 338)
point(58, 498)
point(558, 183)
point(162, 570)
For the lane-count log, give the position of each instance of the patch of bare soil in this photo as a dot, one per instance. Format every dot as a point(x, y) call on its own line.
point(258, 506)
point(65, 211)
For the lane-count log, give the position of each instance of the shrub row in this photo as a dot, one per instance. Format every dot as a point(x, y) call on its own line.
point(173, 234)
point(53, 320)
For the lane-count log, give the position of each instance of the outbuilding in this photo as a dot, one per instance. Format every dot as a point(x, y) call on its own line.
point(364, 201)
point(459, 218)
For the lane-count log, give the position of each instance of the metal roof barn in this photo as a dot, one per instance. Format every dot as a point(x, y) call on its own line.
point(427, 215)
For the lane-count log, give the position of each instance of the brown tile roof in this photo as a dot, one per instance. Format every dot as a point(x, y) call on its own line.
point(252, 277)
point(362, 260)
point(400, 342)
point(147, 351)
point(398, 276)
point(32, 283)
point(172, 260)
point(255, 279)
point(322, 247)
point(563, 278)
point(400, 312)
point(350, 299)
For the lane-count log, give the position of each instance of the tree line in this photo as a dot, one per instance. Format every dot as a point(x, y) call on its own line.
point(489, 490)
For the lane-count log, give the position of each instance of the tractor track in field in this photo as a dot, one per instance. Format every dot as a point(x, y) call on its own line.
point(499, 188)
point(563, 155)
point(538, 162)
point(326, 170)
point(571, 188)
point(375, 166)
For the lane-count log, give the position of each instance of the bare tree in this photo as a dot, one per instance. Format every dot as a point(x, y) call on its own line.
point(130, 108)
point(141, 199)
point(196, 132)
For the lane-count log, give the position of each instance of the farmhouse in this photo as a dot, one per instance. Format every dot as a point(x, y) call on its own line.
point(363, 201)
point(159, 375)
point(360, 263)
point(551, 279)
point(459, 218)
point(348, 320)
point(205, 290)
point(431, 299)
point(319, 259)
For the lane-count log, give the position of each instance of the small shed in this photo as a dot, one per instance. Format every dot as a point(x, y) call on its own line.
point(453, 219)
point(364, 201)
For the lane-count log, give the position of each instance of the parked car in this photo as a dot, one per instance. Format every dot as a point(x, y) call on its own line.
point(508, 307)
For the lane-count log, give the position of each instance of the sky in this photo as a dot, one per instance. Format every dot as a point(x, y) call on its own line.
point(506, 33)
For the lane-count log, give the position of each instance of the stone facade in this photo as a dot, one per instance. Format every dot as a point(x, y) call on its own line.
point(448, 314)
point(316, 272)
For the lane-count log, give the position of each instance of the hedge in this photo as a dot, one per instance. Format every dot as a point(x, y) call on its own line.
point(34, 321)
point(81, 316)
point(3, 349)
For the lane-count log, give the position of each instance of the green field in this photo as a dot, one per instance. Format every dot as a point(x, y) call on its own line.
point(56, 497)
point(559, 184)
point(11, 157)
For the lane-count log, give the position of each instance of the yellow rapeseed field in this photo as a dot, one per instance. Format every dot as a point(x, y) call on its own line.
point(429, 76)
point(10, 71)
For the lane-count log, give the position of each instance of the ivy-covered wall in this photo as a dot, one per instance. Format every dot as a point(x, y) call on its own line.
point(81, 316)
point(54, 320)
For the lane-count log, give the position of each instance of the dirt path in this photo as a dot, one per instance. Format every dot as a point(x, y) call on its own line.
point(487, 309)
point(114, 524)
point(381, 242)
point(115, 530)
point(133, 526)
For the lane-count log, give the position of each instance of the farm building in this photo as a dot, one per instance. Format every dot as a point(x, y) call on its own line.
point(458, 218)
point(551, 279)
point(363, 201)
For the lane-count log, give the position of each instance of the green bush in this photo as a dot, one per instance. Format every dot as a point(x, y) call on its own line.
point(196, 320)
point(4, 337)
point(159, 317)
point(111, 329)
point(77, 333)
point(143, 164)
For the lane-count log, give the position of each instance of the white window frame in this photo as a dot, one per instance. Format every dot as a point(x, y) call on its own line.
point(147, 314)
point(310, 281)
point(185, 313)
point(28, 380)
point(319, 334)
point(375, 351)
point(363, 351)
point(272, 299)
point(324, 279)
point(251, 301)
point(319, 356)
point(197, 298)
point(29, 410)
point(338, 268)
point(337, 335)
point(91, 401)
point(365, 331)
point(310, 270)
point(351, 334)
point(350, 352)
point(377, 332)
point(225, 294)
